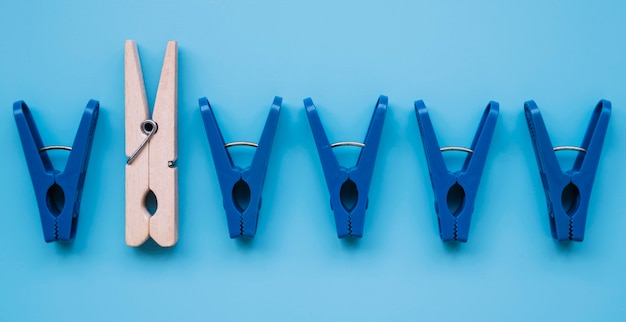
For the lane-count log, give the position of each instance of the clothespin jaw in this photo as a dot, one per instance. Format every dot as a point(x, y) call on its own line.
point(345, 185)
point(568, 192)
point(455, 192)
point(152, 150)
point(241, 188)
point(58, 193)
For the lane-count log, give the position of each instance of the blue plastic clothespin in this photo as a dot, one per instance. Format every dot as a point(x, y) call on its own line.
point(568, 192)
point(241, 188)
point(58, 193)
point(346, 183)
point(455, 192)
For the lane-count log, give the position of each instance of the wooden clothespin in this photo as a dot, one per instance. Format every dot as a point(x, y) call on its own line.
point(151, 148)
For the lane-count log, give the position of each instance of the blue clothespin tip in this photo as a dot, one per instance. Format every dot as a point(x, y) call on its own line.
point(58, 193)
point(241, 188)
point(568, 192)
point(455, 192)
point(346, 185)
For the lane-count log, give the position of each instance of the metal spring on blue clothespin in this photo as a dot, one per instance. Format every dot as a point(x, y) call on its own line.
point(58, 193)
point(455, 192)
point(241, 188)
point(355, 181)
point(568, 192)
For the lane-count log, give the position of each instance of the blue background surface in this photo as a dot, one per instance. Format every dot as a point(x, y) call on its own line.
point(457, 56)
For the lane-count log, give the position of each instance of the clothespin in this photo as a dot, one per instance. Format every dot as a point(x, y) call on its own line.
point(241, 188)
point(568, 192)
point(348, 184)
point(455, 192)
point(151, 148)
point(58, 193)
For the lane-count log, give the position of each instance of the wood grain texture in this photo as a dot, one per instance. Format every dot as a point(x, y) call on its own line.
point(164, 150)
point(150, 169)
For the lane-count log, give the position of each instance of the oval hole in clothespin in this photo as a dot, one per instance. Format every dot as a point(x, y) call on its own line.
point(55, 198)
point(349, 195)
point(150, 202)
point(455, 199)
point(570, 199)
point(241, 195)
